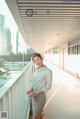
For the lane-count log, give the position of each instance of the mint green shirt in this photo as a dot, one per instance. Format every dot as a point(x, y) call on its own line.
point(42, 79)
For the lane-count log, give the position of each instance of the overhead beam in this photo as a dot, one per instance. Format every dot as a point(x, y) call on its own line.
point(12, 4)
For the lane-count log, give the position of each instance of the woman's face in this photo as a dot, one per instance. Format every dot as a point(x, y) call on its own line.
point(38, 61)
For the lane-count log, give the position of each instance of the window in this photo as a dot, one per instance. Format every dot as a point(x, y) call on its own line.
point(74, 47)
point(79, 49)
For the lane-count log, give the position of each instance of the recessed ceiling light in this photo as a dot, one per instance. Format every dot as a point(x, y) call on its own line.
point(77, 17)
point(57, 34)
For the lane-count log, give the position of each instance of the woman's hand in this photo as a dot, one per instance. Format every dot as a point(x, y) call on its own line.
point(33, 93)
point(29, 91)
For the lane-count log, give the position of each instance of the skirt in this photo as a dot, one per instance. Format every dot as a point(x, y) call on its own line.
point(38, 103)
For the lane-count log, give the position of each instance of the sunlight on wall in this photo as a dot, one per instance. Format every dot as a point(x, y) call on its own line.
point(53, 58)
point(73, 63)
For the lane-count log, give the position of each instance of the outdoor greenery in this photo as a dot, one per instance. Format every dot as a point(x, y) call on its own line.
point(12, 62)
point(18, 57)
point(2, 61)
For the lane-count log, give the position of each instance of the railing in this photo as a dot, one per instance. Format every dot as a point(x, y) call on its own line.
point(13, 96)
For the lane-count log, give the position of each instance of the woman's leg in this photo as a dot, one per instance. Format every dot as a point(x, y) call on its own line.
point(38, 103)
point(40, 117)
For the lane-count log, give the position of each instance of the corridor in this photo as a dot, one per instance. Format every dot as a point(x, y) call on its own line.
point(48, 27)
point(64, 97)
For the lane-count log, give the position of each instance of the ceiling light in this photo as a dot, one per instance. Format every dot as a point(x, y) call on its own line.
point(29, 12)
point(57, 34)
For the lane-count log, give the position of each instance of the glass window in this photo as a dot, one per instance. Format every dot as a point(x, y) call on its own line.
point(79, 49)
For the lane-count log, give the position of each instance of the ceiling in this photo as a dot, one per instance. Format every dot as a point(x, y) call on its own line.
point(46, 24)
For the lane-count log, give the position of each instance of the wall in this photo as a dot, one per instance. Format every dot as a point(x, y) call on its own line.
point(61, 57)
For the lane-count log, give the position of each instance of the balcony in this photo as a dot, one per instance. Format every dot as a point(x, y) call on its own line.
point(63, 100)
point(12, 94)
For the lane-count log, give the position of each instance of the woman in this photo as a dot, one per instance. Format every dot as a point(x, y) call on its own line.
point(41, 83)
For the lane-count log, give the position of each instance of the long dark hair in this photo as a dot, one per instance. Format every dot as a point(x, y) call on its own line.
point(36, 55)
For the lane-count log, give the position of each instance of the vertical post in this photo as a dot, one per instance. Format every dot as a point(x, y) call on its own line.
point(23, 59)
point(17, 39)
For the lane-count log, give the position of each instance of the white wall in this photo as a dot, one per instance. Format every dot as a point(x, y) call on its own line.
point(67, 62)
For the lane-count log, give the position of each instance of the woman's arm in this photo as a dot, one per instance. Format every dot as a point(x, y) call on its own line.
point(48, 82)
point(46, 87)
point(29, 91)
point(35, 93)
